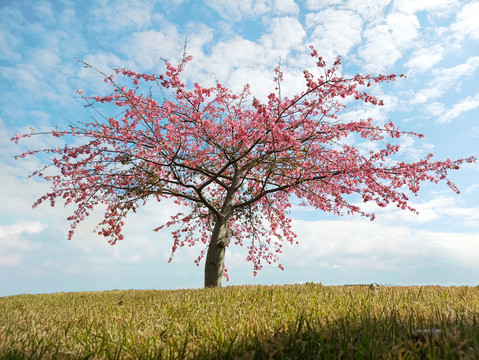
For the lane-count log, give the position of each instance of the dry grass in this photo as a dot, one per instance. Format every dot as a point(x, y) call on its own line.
point(254, 322)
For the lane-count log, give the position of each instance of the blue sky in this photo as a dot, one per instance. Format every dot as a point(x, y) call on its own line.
point(435, 42)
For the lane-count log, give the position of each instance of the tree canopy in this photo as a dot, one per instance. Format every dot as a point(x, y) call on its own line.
point(235, 161)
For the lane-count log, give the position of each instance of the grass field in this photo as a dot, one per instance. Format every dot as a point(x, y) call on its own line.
point(308, 321)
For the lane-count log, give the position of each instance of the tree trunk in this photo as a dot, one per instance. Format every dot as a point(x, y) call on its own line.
point(215, 257)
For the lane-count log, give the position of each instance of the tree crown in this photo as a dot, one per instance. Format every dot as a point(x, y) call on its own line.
point(229, 157)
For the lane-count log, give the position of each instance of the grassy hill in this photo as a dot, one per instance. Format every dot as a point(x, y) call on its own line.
point(307, 321)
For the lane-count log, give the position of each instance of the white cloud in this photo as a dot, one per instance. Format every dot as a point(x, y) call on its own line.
point(412, 149)
point(10, 36)
point(465, 105)
point(12, 245)
point(284, 7)
point(424, 95)
point(453, 74)
point(73, 270)
point(25, 77)
point(321, 4)
point(440, 208)
point(474, 187)
point(431, 6)
point(284, 34)
point(122, 14)
point(366, 111)
point(17, 229)
point(435, 108)
point(293, 82)
point(369, 10)
point(403, 29)
point(198, 36)
point(339, 241)
point(261, 81)
point(227, 56)
point(43, 9)
point(425, 58)
point(385, 43)
point(47, 59)
point(235, 10)
point(475, 132)
point(466, 21)
point(41, 72)
point(446, 79)
point(237, 61)
point(175, 3)
point(8, 44)
point(147, 48)
point(464, 248)
point(358, 245)
point(10, 260)
point(9, 234)
point(334, 32)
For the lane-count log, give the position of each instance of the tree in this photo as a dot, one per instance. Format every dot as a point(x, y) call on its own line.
point(234, 161)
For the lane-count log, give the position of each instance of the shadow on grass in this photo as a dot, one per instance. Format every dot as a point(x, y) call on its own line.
point(364, 339)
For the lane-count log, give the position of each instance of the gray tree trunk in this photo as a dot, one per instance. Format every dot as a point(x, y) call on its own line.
point(215, 257)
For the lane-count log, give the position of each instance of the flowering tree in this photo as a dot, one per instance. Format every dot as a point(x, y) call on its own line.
point(232, 160)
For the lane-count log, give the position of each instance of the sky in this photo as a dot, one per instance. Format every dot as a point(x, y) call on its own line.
point(434, 42)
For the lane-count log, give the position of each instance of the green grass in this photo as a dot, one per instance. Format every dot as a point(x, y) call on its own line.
point(253, 322)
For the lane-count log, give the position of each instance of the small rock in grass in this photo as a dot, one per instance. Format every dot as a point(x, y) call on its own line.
point(423, 334)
